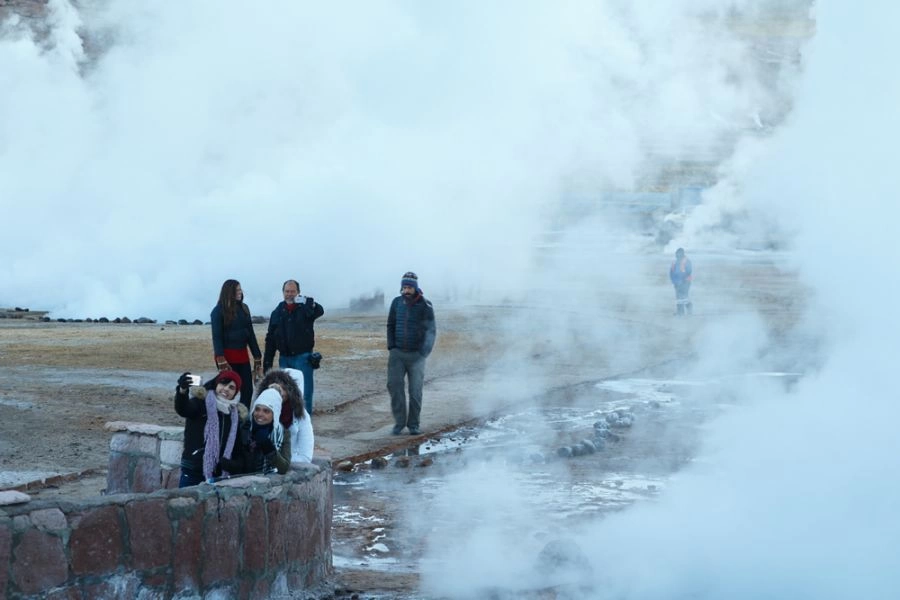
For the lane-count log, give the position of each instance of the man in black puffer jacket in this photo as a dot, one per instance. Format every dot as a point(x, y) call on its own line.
point(411, 332)
point(291, 333)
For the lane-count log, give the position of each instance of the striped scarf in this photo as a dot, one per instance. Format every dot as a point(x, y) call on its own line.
point(211, 435)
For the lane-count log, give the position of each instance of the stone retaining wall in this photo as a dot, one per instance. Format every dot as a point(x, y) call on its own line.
point(247, 537)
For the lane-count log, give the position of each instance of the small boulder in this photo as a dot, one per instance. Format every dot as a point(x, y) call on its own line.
point(344, 465)
point(402, 462)
point(379, 462)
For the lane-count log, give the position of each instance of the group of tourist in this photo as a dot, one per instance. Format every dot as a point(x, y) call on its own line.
point(259, 419)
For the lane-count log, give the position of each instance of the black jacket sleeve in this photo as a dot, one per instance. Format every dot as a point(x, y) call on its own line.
point(430, 330)
point(392, 325)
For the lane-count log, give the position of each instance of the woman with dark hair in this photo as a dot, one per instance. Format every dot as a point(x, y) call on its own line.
point(232, 333)
point(212, 418)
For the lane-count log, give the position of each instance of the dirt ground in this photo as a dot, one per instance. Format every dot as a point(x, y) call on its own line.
point(61, 382)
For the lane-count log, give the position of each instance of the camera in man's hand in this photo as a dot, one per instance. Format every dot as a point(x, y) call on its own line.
point(315, 359)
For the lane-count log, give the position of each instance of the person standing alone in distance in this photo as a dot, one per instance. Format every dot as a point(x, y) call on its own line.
point(291, 333)
point(232, 333)
point(411, 332)
point(681, 273)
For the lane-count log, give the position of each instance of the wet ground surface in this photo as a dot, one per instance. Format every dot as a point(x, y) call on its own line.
point(388, 511)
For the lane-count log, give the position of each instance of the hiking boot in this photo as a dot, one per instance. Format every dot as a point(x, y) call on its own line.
point(414, 431)
point(397, 430)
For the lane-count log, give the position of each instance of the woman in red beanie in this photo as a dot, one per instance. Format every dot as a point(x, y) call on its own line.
point(212, 417)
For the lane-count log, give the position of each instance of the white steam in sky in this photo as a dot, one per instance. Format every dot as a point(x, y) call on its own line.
point(795, 494)
point(340, 144)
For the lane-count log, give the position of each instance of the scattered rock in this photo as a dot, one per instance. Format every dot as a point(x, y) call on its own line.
point(589, 446)
point(426, 462)
point(402, 462)
point(8, 497)
point(620, 419)
point(565, 452)
point(344, 465)
point(379, 462)
point(372, 303)
point(563, 557)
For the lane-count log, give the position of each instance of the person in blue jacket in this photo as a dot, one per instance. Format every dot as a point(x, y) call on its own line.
point(681, 273)
point(411, 332)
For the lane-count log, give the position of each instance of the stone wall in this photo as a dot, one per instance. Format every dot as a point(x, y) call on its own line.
point(143, 457)
point(247, 537)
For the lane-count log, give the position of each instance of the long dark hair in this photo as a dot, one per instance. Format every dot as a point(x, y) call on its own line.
point(227, 300)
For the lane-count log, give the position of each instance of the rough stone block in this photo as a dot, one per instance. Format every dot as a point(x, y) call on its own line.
point(298, 531)
point(188, 519)
point(5, 553)
point(39, 562)
point(135, 443)
point(51, 519)
point(147, 476)
point(96, 544)
point(170, 452)
point(255, 537)
point(311, 541)
point(149, 533)
point(221, 542)
point(170, 478)
point(10, 497)
point(278, 524)
point(117, 475)
point(66, 593)
point(118, 586)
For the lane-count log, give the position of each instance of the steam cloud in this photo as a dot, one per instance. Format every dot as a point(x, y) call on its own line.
point(340, 145)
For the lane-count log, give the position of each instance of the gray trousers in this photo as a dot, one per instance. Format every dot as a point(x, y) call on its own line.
point(402, 364)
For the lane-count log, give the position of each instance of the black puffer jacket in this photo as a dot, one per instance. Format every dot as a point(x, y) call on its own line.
point(192, 406)
point(411, 326)
point(291, 332)
point(237, 335)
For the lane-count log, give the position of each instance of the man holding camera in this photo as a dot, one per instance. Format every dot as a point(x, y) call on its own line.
point(411, 333)
point(291, 334)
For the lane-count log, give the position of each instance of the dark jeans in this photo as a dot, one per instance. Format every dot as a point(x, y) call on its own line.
point(301, 363)
point(190, 477)
point(246, 373)
point(400, 365)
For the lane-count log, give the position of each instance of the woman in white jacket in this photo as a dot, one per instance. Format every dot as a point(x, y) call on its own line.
point(289, 383)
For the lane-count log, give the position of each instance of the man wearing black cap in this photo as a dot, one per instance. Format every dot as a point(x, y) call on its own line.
point(411, 333)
